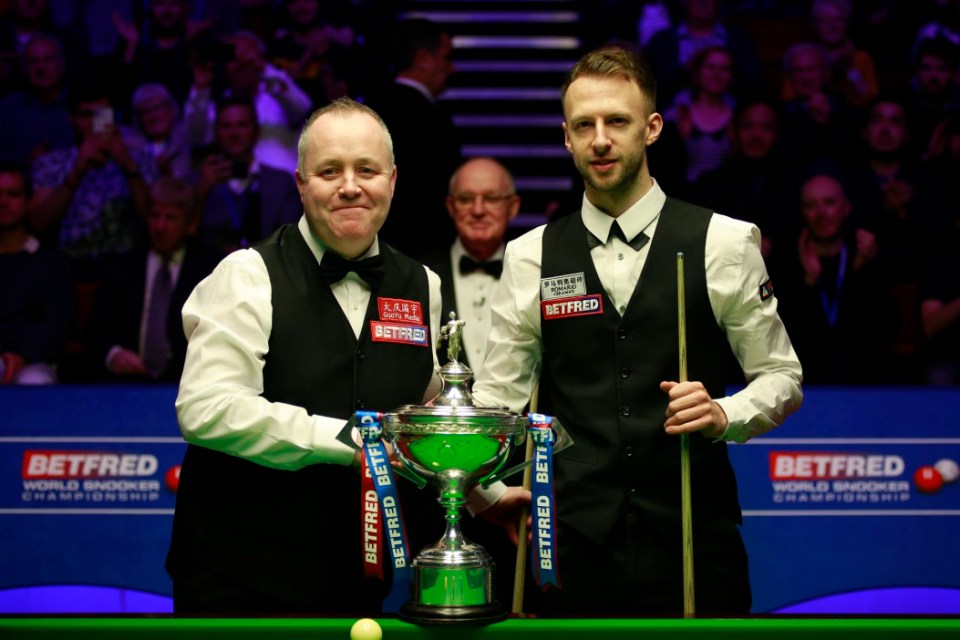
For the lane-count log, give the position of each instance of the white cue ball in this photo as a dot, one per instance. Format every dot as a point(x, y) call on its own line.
point(366, 629)
point(948, 469)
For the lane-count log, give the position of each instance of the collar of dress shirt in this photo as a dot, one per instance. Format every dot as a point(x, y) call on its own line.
point(239, 185)
point(637, 218)
point(31, 244)
point(317, 248)
point(459, 250)
point(416, 85)
point(175, 260)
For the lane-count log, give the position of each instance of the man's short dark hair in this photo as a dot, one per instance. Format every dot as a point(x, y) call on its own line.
point(941, 48)
point(414, 35)
point(612, 62)
point(18, 169)
point(238, 101)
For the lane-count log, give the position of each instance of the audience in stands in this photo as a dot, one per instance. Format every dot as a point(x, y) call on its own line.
point(803, 77)
point(135, 332)
point(158, 130)
point(831, 294)
point(700, 118)
point(934, 91)
point(281, 105)
point(37, 303)
point(701, 25)
point(757, 182)
point(157, 48)
point(894, 195)
point(315, 49)
point(36, 118)
point(817, 123)
point(240, 198)
point(854, 76)
point(91, 199)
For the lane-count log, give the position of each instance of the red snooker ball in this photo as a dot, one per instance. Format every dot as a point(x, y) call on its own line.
point(172, 478)
point(928, 479)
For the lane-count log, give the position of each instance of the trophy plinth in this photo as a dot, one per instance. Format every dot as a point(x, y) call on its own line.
point(454, 445)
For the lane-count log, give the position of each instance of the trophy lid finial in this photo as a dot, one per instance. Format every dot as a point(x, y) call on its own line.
point(452, 333)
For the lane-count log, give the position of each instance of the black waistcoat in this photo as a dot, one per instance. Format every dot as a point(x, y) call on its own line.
point(296, 534)
point(601, 376)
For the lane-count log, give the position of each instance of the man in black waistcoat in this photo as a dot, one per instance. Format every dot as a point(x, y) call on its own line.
point(282, 350)
point(590, 300)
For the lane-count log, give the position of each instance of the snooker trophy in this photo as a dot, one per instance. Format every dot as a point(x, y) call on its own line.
point(455, 445)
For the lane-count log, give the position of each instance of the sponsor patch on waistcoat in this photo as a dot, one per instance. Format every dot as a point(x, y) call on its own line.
point(399, 310)
point(568, 286)
point(400, 333)
point(572, 307)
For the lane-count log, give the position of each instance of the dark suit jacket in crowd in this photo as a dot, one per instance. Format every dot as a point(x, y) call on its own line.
point(427, 149)
point(279, 203)
point(118, 308)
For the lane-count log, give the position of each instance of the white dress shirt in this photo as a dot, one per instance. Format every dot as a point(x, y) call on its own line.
point(474, 293)
point(228, 320)
point(734, 273)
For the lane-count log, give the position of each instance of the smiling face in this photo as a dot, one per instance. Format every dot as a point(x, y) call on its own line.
point(608, 123)
point(715, 73)
point(236, 130)
point(825, 207)
point(482, 203)
point(346, 180)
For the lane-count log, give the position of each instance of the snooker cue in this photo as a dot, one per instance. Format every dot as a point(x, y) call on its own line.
point(520, 571)
point(686, 508)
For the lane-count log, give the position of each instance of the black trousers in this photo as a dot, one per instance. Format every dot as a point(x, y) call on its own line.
point(638, 571)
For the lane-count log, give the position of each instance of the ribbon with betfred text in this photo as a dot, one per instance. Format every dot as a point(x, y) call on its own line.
point(543, 502)
point(381, 516)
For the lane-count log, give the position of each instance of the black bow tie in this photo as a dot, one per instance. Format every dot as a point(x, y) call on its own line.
point(636, 243)
point(335, 267)
point(469, 265)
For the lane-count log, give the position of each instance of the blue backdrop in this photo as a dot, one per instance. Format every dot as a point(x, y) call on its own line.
point(833, 519)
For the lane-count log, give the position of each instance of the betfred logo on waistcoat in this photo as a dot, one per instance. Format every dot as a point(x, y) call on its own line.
point(572, 307)
point(399, 333)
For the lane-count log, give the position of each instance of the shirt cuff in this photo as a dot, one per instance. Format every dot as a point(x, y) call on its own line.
point(481, 499)
point(737, 428)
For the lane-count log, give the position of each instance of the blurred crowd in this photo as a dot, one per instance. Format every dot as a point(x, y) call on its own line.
point(141, 140)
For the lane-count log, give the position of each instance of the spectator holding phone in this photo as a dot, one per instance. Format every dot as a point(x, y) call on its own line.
point(91, 199)
point(240, 199)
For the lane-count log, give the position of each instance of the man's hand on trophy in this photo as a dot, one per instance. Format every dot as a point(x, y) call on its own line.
point(506, 511)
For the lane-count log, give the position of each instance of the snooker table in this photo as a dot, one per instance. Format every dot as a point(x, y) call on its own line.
point(157, 627)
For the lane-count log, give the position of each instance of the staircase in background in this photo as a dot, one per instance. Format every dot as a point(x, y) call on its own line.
point(510, 59)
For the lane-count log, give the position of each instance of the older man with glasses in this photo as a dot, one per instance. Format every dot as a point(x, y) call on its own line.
point(482, 202)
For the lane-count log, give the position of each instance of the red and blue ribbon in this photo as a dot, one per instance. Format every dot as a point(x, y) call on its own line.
point(389, 529)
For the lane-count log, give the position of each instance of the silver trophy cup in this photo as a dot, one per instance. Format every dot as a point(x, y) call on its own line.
point(453, 445)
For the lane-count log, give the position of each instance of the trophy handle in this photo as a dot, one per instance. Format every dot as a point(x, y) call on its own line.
point(564, 441)
point(346, 437)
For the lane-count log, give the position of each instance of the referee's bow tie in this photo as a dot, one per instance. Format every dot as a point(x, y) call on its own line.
point(334, 268)
point(469, 265)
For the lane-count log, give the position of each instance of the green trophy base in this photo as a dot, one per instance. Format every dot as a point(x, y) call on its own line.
point(425, 614)
point(457, 591)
